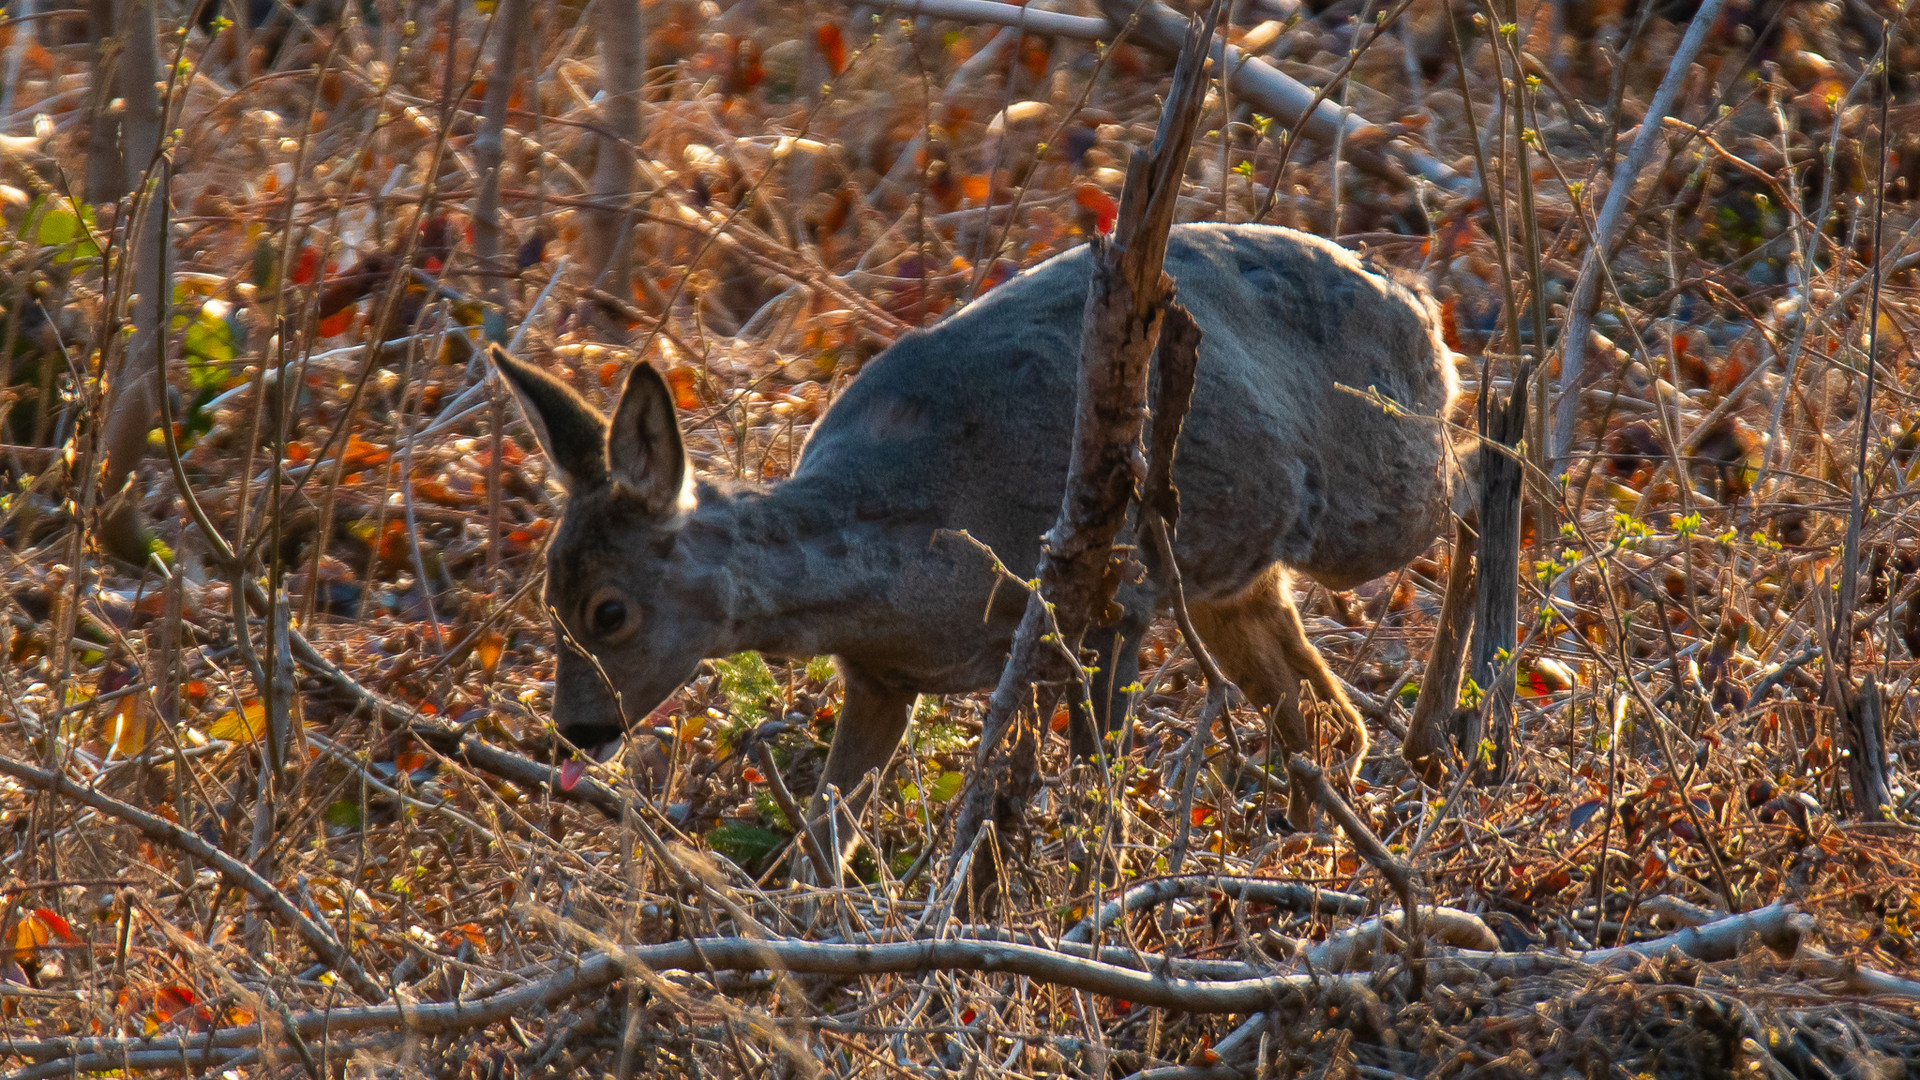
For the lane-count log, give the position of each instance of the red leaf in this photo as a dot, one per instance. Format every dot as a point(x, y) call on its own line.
point(168, 1003)
point(354, 284)
point(437, 238)
point(335, 324)
point(56, 924)
point(1100, 204)
point(833, 46)
point(570, 773)
point(306, 265)
point(744, 68)
point(1034, 53)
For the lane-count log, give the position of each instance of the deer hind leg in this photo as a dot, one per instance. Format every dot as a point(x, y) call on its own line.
point(1259, 641)
point(872, 719)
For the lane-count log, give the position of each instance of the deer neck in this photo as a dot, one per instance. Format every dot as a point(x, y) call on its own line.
point(798, 568)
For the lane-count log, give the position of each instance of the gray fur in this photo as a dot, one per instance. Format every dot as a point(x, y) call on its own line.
point(966, 426)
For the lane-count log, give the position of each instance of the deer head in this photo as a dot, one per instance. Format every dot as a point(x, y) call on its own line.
point(617, 576)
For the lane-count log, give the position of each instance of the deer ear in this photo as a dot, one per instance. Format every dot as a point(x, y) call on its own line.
point(572, 432)
point(644, 451)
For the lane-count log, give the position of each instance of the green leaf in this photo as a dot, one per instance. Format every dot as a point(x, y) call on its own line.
point(264, 265)
point(62, 227)
point(747, 682)
point(209, 346)
point(946, 787)
point(769, 808)
point(344, 814)
point(744, 844)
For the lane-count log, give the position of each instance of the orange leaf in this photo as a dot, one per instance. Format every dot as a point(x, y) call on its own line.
point(469, 934)
point(488, 650)
point(1061, 717)
point(361, 453)
point(128, 728)
point(393, 542)
point(974, 187)
point(752, 775)
point(1450, 327)
point(1034, 52)
point(436, 491)
point(686, 391)
point(28, 936)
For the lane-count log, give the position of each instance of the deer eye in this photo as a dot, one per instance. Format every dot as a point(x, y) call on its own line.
point(607, 614)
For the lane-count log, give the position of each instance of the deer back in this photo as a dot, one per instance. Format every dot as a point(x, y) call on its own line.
point(1283, 458)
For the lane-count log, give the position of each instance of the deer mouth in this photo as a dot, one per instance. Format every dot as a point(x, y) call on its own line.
point(598, 741)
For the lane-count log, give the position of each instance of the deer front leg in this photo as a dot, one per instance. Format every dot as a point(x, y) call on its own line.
point(872, 719)
point(1350, 737)
point(1261, 645)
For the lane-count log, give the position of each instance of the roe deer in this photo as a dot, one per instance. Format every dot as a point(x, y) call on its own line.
point(966, 426)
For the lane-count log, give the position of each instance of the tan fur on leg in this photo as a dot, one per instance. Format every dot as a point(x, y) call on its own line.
point(1260, 643)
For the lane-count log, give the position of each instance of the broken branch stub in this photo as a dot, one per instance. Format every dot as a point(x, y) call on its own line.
point(1289, 101)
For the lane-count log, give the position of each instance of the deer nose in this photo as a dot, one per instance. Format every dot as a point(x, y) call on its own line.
point(598, 741)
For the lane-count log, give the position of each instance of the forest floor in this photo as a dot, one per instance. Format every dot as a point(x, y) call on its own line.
point(818, 179)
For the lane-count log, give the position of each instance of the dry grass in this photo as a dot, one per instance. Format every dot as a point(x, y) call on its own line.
point(779, 243)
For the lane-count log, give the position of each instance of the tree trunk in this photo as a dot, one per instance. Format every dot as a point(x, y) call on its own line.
point(1488, 746)
point(1126, 299)
point(1433, 731)
point(106, 177)
point(136, 378)
point(509, 37)
point(622, 74)
point(1863, 733)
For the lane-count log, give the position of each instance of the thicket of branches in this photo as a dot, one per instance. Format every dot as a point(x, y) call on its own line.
point(282, 791)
